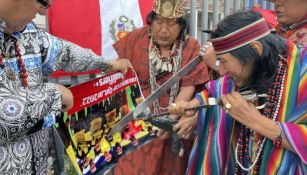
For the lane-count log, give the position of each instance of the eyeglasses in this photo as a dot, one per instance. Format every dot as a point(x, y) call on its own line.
point(44, 3)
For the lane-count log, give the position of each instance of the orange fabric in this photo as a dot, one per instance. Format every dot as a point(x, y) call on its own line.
point(156, 156)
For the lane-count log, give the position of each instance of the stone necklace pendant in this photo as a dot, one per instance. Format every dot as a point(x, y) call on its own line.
point(170, 67)
point(12, 74)
point(11, 71)
point(164, 67)
point(255, 146)
point(158, 65)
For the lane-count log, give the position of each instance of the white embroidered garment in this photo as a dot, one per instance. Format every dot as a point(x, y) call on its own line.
point(25, 111)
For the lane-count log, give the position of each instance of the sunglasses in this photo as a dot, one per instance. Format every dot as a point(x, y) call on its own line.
point(44, 3)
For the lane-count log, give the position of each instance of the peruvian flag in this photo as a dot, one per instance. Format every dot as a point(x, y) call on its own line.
point(96, 24)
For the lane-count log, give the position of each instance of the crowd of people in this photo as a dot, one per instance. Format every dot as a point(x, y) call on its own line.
point(265, 135)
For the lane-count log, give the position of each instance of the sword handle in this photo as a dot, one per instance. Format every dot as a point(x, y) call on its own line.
point(248, 96)
point(188, 109)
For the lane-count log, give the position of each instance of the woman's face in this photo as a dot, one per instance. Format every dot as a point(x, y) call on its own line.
point(165, 31)
point(290, 11)
point(231, 66)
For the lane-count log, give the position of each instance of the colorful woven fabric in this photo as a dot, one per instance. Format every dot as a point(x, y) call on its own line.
point(213, 152)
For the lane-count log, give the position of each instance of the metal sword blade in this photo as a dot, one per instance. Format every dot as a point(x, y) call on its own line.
point(155, 95)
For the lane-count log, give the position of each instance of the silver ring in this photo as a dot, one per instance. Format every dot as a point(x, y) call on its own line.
point(173, 104)
point(228, 106)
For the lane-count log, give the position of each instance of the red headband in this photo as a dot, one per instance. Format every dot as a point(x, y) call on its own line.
point(241, 37)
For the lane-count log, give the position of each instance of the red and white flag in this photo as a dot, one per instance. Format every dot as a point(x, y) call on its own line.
point(97, 24)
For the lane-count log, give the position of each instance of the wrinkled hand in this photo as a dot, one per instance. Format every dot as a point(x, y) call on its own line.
point(209, 56)
point(180, 108)
point(67, 98)
point(120, 65)
point(185, 127)
point(241, 110)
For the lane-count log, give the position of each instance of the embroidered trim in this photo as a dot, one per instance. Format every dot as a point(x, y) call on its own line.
point(241, 37)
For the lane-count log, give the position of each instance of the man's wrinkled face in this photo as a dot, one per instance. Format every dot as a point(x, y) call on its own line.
point(290, 11)
point(19, 13)
point(165, 31)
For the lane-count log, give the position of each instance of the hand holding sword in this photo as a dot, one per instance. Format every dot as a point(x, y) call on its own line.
point(155, 95)
point(188, 109)
point(135, 114)
point(181, 108)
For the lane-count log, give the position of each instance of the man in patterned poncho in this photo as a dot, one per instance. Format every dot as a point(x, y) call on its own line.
point(27, 104)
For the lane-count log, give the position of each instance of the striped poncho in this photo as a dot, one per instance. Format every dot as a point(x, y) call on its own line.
point(214, 149)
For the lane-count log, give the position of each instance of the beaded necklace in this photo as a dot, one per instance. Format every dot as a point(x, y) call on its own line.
point(158, 66)
point(23, 72)
point(162, 63)
point(271, 110)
